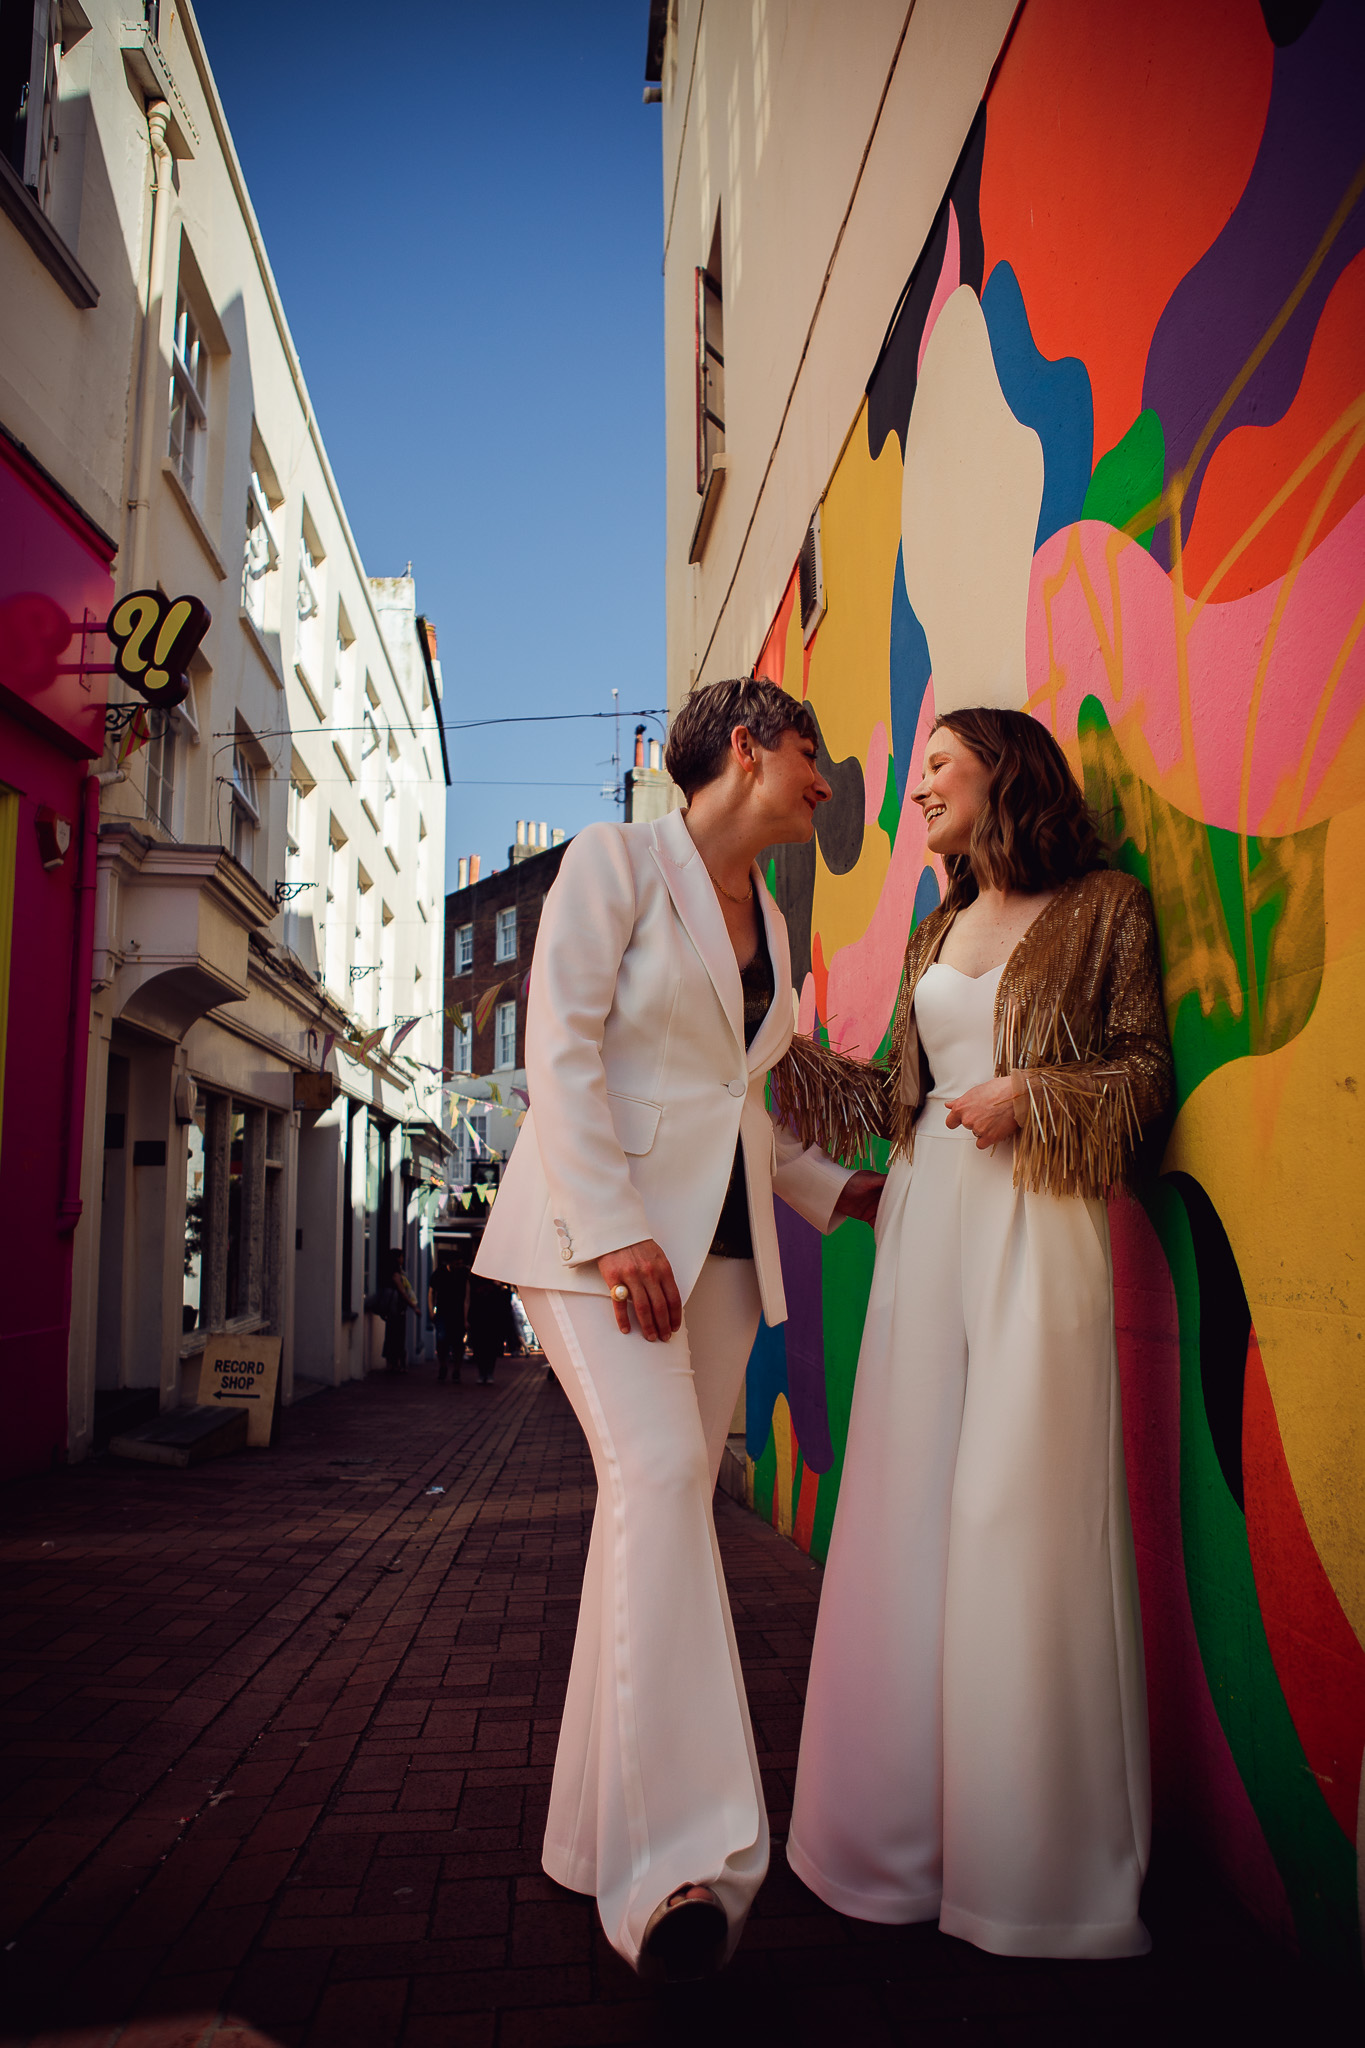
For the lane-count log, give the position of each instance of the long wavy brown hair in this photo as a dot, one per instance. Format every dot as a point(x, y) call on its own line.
point(1035, 829)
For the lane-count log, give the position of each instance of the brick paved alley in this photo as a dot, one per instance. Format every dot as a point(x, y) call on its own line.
point(278, 1734)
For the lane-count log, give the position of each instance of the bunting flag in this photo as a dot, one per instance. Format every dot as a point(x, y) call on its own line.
point(495, 1094)
point(360, 1048)
point(526, 985)
point(328, 1042)
point(136, 736)
point(401, 1034)
point(522, 1097)
point(484, 1009)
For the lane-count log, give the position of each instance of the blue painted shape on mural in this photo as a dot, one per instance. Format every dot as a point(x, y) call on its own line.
point(765, 1379)
point(909, 676)
point(926, 896)
point(799, 1243)
point(1052, 398)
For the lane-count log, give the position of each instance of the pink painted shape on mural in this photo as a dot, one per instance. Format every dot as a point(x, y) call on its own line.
point(1224, 647)
point(1194, 1778)
point(874, 774)
point(805, 1011)
point(864, 976)
point(949, 278)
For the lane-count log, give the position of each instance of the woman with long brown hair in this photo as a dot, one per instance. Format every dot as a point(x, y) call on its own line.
point(975, 1740)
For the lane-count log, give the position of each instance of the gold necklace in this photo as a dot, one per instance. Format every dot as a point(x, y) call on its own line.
point(729, 894)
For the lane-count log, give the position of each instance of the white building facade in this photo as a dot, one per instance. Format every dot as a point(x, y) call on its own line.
point(270, 866)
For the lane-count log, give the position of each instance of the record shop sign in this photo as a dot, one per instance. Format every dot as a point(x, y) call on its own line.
point(155, 639)
point(242, 1372)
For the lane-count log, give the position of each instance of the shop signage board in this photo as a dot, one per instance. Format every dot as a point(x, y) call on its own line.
point(242, 1372)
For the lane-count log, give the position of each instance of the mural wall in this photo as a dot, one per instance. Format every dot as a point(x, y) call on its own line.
point(1111, 468)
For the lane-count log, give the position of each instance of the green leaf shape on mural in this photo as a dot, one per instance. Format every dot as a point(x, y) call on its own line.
point(846, 1260)
point(1130, 477)
point(889, 816)
point(1315, 1861)
point(1220, 1007)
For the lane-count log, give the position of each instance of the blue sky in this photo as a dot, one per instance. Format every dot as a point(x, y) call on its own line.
point(462, 208)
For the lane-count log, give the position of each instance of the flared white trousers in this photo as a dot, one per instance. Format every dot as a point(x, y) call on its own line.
point(975, 1737)
point(656, 1780)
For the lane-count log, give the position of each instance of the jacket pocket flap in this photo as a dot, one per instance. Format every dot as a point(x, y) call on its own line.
point(634, 1121)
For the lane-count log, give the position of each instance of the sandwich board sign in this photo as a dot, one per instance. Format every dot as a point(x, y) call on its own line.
point(242, 1372)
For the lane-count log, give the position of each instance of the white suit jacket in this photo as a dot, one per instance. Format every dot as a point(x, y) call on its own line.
point(639, 1079)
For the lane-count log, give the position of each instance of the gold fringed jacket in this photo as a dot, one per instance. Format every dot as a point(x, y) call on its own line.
point(1080, 1030)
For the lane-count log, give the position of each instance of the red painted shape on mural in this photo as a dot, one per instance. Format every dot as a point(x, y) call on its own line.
point(1194, 1776)
point(1118, 142)
point(1318, 1661)
point(803, 1521)
point(1253, 464)
point(820, 974)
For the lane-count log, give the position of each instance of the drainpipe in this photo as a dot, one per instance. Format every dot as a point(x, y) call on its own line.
point(158, 116)
point(78, 1010)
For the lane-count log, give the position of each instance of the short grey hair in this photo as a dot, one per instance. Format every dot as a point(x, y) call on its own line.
point(699, 740)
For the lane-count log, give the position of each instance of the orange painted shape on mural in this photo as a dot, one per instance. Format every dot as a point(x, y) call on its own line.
point(772, 660)
point(803, 1521)
point(785, 1449)
point(1254, 464)
point(1318, 1661)
point(1118, 142)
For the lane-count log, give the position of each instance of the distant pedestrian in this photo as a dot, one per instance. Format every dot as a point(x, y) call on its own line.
point(446, 1306)
point(492, 1329)
point(393, 1302)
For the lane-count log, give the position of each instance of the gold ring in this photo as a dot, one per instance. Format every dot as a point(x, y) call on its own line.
point(619, 1293)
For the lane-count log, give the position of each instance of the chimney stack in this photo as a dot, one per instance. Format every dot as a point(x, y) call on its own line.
point(473, 869)
point(654, 760)
point(462, 873)
point(639, 746)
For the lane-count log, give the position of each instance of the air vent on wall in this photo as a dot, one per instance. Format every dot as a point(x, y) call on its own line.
point(812, 573)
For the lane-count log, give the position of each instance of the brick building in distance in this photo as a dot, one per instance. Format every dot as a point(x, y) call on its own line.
point(491, 926)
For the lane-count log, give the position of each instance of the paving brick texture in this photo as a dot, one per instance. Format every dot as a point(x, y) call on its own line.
point(277, 1738)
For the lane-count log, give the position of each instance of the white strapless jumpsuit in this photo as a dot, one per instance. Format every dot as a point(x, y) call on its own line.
point(975, 1739)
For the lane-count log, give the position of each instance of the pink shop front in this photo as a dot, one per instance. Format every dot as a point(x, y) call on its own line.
point(56, 589)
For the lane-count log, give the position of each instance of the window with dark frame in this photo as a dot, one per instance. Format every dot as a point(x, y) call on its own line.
point(234, 1212)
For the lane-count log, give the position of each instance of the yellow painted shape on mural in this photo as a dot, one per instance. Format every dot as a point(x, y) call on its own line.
point(786, 1466)
point(1278, 1143)
point(849, 686)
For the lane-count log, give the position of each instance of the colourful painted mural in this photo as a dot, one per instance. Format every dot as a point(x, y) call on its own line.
point(1110, 467)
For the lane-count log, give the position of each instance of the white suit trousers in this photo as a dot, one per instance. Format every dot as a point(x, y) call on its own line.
point(975, 1737)
point(656, 1780)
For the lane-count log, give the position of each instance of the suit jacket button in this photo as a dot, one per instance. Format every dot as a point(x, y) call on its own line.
point(739, 1087)
point(565, 1253)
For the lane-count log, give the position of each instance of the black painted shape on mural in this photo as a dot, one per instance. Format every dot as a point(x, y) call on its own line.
point(794, 888)
point(1224, 1330)
point(1286, 20)
point(891, 387)
point(839, 823)
point(839, 826)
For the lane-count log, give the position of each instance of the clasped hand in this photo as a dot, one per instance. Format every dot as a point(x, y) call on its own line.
point(987, 1111)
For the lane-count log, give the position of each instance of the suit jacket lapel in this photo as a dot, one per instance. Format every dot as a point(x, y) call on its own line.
point(694, 899)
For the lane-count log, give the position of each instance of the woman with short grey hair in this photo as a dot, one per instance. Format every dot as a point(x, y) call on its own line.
point(636, 1219)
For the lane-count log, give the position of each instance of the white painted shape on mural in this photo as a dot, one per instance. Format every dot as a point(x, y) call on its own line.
point(969, 512)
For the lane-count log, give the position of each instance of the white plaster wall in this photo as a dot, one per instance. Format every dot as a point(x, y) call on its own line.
point(68, 383)
point(769, 111)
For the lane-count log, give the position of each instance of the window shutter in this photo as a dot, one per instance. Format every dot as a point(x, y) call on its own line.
point(811, 570)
